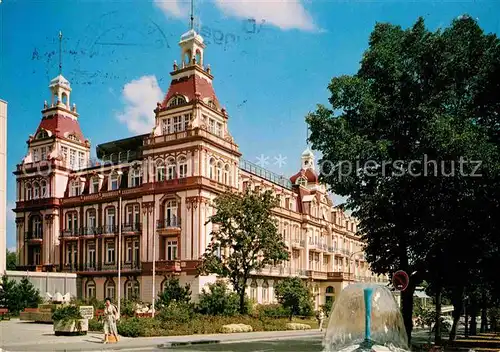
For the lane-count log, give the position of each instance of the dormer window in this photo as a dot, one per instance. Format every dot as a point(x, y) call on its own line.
point(176, 101)
point(94, 184)
point(302, 181)
point(211, 104)
point(75, 188)
point(42, 134)
point(113, 182)
point(73, 137)
point(136, 178)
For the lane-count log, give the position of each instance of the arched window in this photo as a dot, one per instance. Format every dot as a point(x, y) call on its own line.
point(90, 289)
point(43, 189)
point(110, 289)
point(187, 57)
point(265, 292)
point(219, 172)
point(211, 169)
point(160, 170)
point(171, 213)
point(227, 180)
point(91, 220)
point(64, 98)
point(182, 167)
point(302, 181)
point(253, 290)
point(330, 294)
point(198, 57)
point(73, 137)
point(132, 289)
point(42, 134)
point(36, 190)
point(29, 192)
point(177, 100)
point(171, 169)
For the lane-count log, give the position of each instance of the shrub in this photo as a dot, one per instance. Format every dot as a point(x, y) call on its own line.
point(95, 325)
point(173, 292)
point(127, 307)
point(17, 296)
point(295, 296)
point(327, 307)
point(271, 310)
point(177, 312)
point(130, 327)
point(67, 313)
point(219, 300)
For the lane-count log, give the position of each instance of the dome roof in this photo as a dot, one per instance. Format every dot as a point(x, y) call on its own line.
point(190, 35)
point(308, 153)
point(59, 81)
point(309, 174)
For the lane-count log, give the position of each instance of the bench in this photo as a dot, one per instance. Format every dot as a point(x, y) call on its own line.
point(4, 313)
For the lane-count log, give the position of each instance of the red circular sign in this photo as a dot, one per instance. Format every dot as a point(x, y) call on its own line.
point(400, 280)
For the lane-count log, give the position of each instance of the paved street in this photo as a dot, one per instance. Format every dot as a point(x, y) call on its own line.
point(24, 336)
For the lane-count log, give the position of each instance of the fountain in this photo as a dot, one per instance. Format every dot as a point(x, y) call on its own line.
point(365, 317)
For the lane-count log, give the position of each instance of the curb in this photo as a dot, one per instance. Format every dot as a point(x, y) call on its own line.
point(187, 343)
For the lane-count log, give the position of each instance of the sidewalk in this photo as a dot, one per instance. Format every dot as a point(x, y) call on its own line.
point(21, 336)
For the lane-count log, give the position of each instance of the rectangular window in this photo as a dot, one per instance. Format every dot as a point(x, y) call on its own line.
point(136, 177)
point(110, 291)
point(81, 160)
point(75, 188)
point(72, 158)
point(160, 173)
point(218, 129)
point(110, 219)
point(114, 182)
point(128, 252)
point(187, 119)
point(211, 126)
point(95, 185)
point(178, 125)
point(35, 155)
point(183, 170)
point(110, 252)
point(170, 172)
point(43, 153)
point(91, 255)
point(167, 126)
point(172, 250)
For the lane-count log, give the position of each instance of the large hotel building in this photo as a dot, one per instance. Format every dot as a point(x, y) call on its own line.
point(152, 195)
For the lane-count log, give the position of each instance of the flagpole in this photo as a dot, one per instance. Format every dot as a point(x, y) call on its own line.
point(119, 251)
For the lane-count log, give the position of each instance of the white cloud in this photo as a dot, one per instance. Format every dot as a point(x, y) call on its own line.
point(140, 97)
point(12, 249)
point(284, 14)
point(174, 8)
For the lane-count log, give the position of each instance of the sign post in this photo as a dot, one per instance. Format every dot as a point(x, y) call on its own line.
point(400, 280)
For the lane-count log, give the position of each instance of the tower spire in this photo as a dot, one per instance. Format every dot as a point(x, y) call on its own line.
point(60, 52)
point(191, 25)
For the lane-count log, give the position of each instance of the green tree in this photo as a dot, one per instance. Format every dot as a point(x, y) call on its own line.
point(394, 143)
point(27, 295)
point(245, 238)
point(173, 292)
point(11, 260)
point(294, 295)
point(8, 295)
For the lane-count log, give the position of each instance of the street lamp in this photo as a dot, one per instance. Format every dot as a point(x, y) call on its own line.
point(350, 258)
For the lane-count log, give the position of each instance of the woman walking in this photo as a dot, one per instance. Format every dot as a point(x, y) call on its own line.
point(110, 318)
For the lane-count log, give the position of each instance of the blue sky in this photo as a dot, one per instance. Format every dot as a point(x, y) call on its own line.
point(272, 62)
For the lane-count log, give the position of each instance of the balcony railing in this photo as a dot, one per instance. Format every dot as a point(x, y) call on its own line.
point(34, 235)
point(133, 227)
point(173, 221)
point(92, 266)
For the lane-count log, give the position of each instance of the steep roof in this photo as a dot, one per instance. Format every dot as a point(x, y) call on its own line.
point(309, 174)
point(61, 126)
point(189, 86)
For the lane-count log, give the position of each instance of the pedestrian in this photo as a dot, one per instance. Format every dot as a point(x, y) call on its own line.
point(110, 318)
point(321, 318)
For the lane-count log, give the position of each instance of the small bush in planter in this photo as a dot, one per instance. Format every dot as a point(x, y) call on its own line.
point(68, 319)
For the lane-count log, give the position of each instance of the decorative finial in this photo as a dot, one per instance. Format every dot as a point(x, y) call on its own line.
point(194, 60)
point(60, 52)
point(175, 65)
point(74, 107)
point(208, 68)
point(45, 105)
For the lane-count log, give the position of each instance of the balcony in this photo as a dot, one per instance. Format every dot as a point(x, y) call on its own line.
point(101, 267)
point(171, 266)
point(339, 275)
point(132, 228)
point(317, 274)
point(34, 236)
point(70, 233)
point(298, 243)
point(90, 231)
point(169, 226)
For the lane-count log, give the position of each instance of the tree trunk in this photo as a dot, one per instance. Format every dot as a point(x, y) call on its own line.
point(473, 322)
point(242, 302)
point(484, 320)
point(407, 309)
point(458, 305)
point(437, 326)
